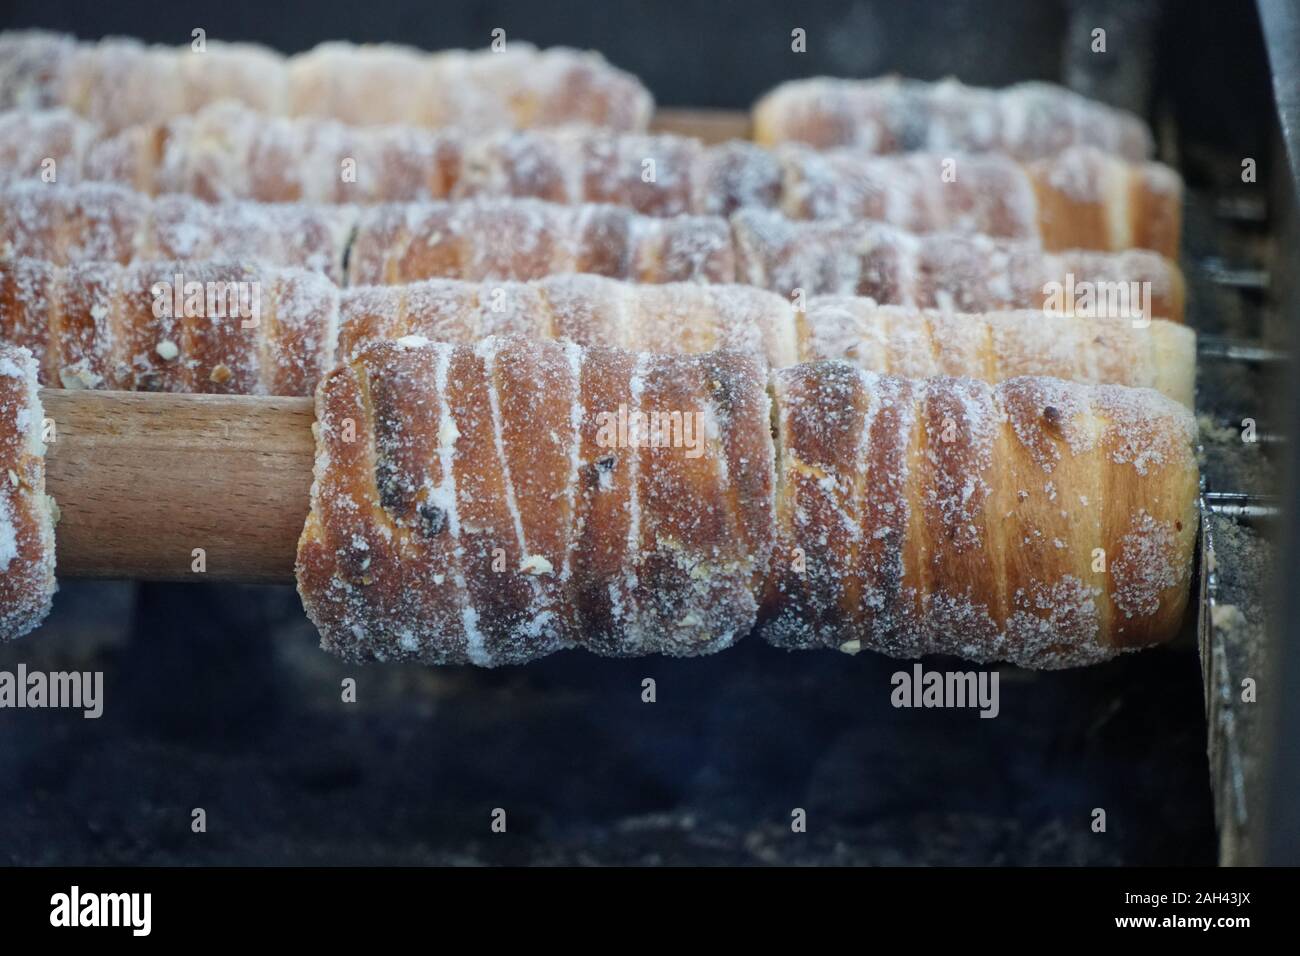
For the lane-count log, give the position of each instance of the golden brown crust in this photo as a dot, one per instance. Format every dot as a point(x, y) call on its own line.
point(94, 325)
point(487, 513)
point(891, 115)
point(677, 318)
point(202, 326)
point(950, 272)
point(549, 526)
point(121, 83)
point(1080, 198)
point(524, 239)
point(26, 523)
point(1041, 522)
point(995, 346)
point(97, 222)
point(1088, 199)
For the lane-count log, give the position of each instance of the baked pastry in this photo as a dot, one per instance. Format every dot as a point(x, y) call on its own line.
point(1037, 521)
point(1089, 199)
point(950, 272)
point(26, 513)
point(485, 511)
point(527, 239)
point(678, 318)
point(894, 115)
point(519, 86)
point(689, 318)
point(521, 239)
point(483, 504)
point(201, 326)
point(227, 151)
point(1081, 198)
point(120, 82)
point(246, 329)
point(98, 222)
point(996, 346)
point(48, 145)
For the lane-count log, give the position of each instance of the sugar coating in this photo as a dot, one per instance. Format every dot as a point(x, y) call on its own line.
point(909, 520)
point(518, 86)
point(104, 333)
point(951, 272)
point(1146, 565)
point(1078, 173)
point(919, 192)
point(1079, 198)
point(587, 309)
point(523, 239)
point(100, 222)
point(227, 151)
point(891, 115)
point(994, 346)
point(519, 530)
point(210, 326)
point(1140, 437)
point(44, 143)
point(26, 523)
point(905, 516)
point(121, 82)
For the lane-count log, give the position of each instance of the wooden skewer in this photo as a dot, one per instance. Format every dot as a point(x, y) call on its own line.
point(711, 126)
point(144, 479)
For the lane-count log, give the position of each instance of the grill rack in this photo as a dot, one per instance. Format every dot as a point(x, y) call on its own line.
point(1239, 515)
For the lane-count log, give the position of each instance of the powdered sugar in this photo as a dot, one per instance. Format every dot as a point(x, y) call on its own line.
point(97, 222)
point(895, 115)
point(26, 521)
point(1148, 563)
point(682, 580)
point(889, 517)
point(522, 239)
point(121, 82)
point(195, 326)
point(943, 271)
point(972, 578)
point(227, 152)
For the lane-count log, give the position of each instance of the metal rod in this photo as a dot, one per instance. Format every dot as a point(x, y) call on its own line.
point(1237, 277)
point(1238, 504)
point(1241, 208)
point(1238, 350)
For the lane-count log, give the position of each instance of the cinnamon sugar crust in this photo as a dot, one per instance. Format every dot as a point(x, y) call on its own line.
point(479, 517)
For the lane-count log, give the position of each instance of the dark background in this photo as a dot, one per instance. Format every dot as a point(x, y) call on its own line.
point(218, 698)
point(724, 53)
point(719, 53)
